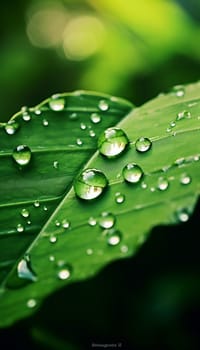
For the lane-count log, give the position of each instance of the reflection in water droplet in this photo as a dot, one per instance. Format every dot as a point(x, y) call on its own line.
point(90, 184)
point(119, 197)
point(22, 155)
point(25, 271)
point(163, 184)
point(31, 303)
point(132, 173)
point(113, 237)
point(185, 179)
point(92, 221)
point(183, 115)
point(143, 144)
point(20, 228)
point(95, 118)
point(25, 213)
point(45, 122)
point(178, 90)
point(106, 220)
point(11, 127)
point(112, 142)
point(65, 224)
point(57, 103)
point(103, 105)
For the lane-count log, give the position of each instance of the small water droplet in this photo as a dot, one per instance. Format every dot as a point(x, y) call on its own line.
point(89, 251)
point(79, 142)
point(95, 118)
point(163, 183)
point(168, 129)
point(112, 142)
point(106, 220)
point(73, 116)
point(56, 164)
point(24, 269)
point(92, 221)
point(36, 204)
point(103, 105)
point(90, 184)
point(183, 215)
point(28, 222)
point(183, 115)
point(31, 303)
point(38, 111)
point(64, 272)
point(45, 208)
point(26, 117)
point(51, 258)
point(152, 189)
point(144, 185)
point(65, 224)
point(25, 213)
point(22, 155)
point(52, 239)
point(113, 237)
point(132, 173)
point(185, 179)
point(20, 228)
point(119, 197)
point(83, 126)
point(143, 144)
point(178, 90)
point(173, 124)
point(11, 127)
point(179, 161)
point(57, 103)
point(57, 223)
point(124, 248)
point(92, 133)
point(45, 122)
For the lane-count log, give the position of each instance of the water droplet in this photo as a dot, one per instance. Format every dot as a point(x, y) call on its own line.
point(92, 221)
point(173, 124)
point(65, 224)
point(45, 122)
point(183, 215)
point(178, 90)
point(57, 223)
point(52, 239)
point(162, 183)
point(31, 303)
point(92, 133)
point(28, 222)
point(20, 228)
point(95, 118)
point(64, 272)
point(143, 144)
point(36, 204)
point(124, 248)
point(106, 220)
point(119, 197)
point(152, 189)
point(26, 116)
point(11, 127)
point(24, 269)
point(25, 213)
point(56, 164)
point(51, 258)
point(168, 129)
point(38, 111)
point(113, 237)
point(22, 155)
point(112, 142)
point(45, 208)
point(183, 115)
point(90, 184)
point(103, 105)
point(144, 185)
point(79, 142)
point(57, 103)
point(132, 173)
point(185, 179)
point(89, 251)
point(73, 116)
point(83, 126)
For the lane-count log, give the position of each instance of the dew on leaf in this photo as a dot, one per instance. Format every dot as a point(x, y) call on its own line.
point(89, 251)
point(52, 239)
point(25, 213)
point(95, 118)
point(51, 258)
point(183, 115)
point(92, 221)
point(57, 103)
point(11, 127)
point(124, 248)
point(31, 303)
point(162, 184)
point(65, 224)
point(132, 173)
point(143, 144)
point(24, 269)
point(64, 272)
point(90, 184)
point(183, 215)
point(79, 142)
point(113, 237)
point(92, 133)
point(173, 124)
point(185, 179)
point(36, 204)
point(119, 197)
point(38, 111)
point(22, 155)
point(178, 90)
point(112, 142)
point(45, 122)
point(83, 126)
point(103, 105)
point(106, 220)
point(56, 164)
point(20, 228)
point(73, 116)
point(57, 223)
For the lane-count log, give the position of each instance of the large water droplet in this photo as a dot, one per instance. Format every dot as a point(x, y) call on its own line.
point(113, 237)
point(11, 127)
point(95, 118)
point(185, 179)
point(57, 103)
point(143, 144)
point(162, 183)
point(25, 271)
point(119, 197)
point(25, 213)
point(183, 115)
point(132, 173)
point(103, 105)
point(112, 142)
point(90, 184)
point(22, 155)
point(106, 220)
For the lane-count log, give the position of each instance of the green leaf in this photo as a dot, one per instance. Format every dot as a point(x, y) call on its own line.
point(61, 134)
point(165, 194)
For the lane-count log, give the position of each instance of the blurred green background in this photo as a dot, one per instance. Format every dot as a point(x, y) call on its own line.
point(133, 49)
